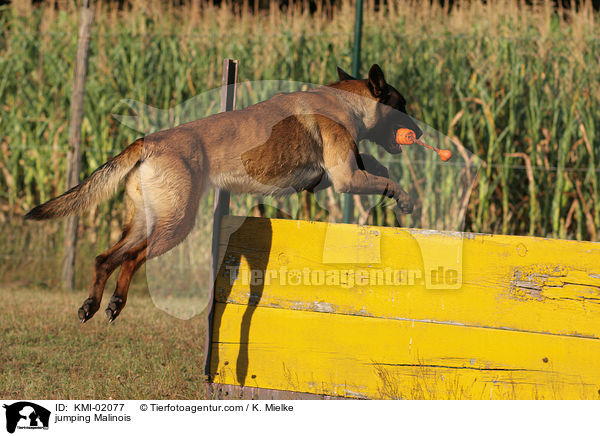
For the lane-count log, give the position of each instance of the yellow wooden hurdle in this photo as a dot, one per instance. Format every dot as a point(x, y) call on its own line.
point(372, 312)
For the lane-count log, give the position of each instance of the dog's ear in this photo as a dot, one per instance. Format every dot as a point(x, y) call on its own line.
point(343, 75)
point(376, 82)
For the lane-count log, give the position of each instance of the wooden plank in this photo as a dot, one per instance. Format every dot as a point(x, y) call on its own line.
point(502, 282)
point(366, 357)
point(220, 391)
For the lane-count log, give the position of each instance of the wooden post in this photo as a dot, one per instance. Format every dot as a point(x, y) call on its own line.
point(230, 68)
point(74, 155)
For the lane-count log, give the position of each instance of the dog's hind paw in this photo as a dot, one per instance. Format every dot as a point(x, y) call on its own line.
point(88, 309)
point(115, 305)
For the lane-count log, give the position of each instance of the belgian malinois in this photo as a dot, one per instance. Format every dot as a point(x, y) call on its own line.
point(291, 142)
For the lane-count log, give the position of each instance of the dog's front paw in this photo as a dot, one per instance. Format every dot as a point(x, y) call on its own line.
point(405, 206)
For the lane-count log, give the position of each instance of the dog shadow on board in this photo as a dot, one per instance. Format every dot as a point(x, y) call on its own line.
point(252, 241)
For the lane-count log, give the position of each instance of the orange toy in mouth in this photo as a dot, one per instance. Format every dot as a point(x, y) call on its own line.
point(408, 137)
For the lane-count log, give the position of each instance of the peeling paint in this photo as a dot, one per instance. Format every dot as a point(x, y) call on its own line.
point(427, 232)
point(554, 282)
point(349, 393)
point(321, 306)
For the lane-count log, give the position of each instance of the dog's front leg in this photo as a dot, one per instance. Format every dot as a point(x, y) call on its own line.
point(367, 162)
point(347, 177)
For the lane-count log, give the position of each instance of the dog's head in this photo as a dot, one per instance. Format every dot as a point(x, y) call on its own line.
point(390, 110)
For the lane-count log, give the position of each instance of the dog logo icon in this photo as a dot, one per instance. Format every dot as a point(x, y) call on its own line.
point(26, 415)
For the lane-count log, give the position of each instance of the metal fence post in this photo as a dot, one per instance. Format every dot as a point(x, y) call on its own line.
point(348, 209)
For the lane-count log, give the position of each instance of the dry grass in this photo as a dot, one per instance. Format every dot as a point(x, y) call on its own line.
point(46, 354)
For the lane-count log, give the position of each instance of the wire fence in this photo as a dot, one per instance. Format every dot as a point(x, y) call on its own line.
point(63, 153)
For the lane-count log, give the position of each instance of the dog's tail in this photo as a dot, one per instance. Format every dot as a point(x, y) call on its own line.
point(99, 186)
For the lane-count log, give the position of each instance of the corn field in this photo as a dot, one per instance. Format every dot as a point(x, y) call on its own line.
point(516, 85)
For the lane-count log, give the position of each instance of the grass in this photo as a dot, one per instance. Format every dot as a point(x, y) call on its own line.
point(45, 352)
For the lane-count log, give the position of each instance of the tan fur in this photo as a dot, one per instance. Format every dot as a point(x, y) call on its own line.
point(289, 143)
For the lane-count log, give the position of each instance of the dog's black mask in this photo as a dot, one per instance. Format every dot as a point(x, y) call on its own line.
point(395, 116)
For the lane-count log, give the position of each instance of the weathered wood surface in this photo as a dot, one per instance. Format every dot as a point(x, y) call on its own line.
point(217, 391)
point(516, 317)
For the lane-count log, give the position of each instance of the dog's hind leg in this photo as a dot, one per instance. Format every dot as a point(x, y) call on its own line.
point(167, 233)
point(105, 265)
point(102, 272)
point(135, 259)
point(134, 232)
point(173, 219)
